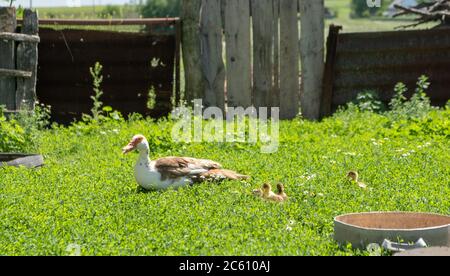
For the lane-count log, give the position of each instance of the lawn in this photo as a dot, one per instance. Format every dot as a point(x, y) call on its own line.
point(86, 196)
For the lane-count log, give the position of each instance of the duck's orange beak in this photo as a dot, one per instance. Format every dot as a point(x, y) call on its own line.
point(132, 144)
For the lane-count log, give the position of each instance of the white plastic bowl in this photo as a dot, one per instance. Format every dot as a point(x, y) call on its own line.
point(362, 229)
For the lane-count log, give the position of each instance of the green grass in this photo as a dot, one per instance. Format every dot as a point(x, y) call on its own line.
point(88, 12)
point(85, 12)
point(342, 7)
point(86, 193)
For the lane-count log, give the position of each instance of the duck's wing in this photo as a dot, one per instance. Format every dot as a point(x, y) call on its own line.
point(175, 167)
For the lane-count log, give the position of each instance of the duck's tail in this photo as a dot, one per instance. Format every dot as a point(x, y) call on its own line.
point(220, 174)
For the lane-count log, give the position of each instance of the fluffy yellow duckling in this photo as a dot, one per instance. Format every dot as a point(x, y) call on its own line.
point(266, 192)
point(353, 176)
point(281, 191)
point(269, 194)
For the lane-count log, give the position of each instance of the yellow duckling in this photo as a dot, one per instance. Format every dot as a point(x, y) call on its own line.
point(353, 176)
point(281, 191)
point(269, 194)
point(266, 192)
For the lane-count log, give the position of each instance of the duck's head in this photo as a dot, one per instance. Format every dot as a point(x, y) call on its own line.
point(352, 175)
point(138, 142)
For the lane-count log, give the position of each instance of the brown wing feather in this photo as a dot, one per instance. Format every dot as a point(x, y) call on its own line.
point(174, 167)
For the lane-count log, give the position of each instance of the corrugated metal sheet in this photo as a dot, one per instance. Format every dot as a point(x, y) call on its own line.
point(65, 83)
point(378, 60)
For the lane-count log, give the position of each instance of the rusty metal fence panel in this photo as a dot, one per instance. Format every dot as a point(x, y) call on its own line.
point(133, 63)
point(377, 61)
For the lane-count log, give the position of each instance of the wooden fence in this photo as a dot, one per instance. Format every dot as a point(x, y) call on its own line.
point(133, 65)
point(18, 60)
point(358, 62)
point(262, 54)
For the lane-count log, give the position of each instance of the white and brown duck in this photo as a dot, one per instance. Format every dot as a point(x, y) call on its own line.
point(173, 171)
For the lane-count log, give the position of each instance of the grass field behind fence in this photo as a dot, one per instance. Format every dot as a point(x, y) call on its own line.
point(340, 7)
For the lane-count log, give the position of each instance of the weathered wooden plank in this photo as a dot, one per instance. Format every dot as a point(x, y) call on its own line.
point(166, 21)
point(7, 59)
point(312, 56)
point(177, 86)
point(262, 22)
point(19, 37)
point(327, 93)
point(191, 48)
point(394, 41)
point(27, 60)
point(275, 99)
point(237, 37)
point(8, 73)
point(358, 78)
point(289, 59)
point(213, 67)
point(385, 60)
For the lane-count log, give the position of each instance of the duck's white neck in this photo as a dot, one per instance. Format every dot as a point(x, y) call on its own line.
point(143, 156)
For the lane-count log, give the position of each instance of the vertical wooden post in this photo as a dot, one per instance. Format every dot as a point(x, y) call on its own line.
point(312, 56)
point(237, 37)
point(7, 58)
point(190, 16)
point(27, 60)
point(289, 56)
point(328, 79)
point(262, 18)
point(177, 88)
point(275, 99)
point(211, 55)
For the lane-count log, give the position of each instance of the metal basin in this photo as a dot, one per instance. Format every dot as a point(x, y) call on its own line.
point(361, 229)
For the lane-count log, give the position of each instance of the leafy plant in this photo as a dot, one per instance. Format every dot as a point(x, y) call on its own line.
point(416, 107)
point(97, 77)
point(369, 101)
point(12, 135)
point(21, 132)
point(398, 100)
point(151, 98)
